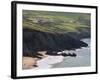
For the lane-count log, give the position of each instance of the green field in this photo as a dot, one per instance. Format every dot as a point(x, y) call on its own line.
point(55, 22)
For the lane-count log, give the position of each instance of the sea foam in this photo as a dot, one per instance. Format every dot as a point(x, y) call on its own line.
point(49, 61)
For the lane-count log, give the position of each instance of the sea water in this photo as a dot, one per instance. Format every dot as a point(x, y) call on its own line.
point(82, 59)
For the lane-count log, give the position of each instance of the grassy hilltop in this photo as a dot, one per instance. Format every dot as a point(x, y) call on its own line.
point(54, 31)
point(56, 22)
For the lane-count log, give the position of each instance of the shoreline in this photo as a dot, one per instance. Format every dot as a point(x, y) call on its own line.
point(31, 62)
point(45, 59)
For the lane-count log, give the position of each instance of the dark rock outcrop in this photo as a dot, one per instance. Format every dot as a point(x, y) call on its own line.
point(34, 41)
point(81, 33)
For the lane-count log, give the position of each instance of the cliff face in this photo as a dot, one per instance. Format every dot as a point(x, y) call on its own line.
point(81, 33)
point(34, 41)
point(54, 31)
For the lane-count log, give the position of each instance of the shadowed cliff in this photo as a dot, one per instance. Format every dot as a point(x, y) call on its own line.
point(54, 31)
point(34, 41)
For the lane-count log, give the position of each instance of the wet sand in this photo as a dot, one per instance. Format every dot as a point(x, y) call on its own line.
point(82, 59)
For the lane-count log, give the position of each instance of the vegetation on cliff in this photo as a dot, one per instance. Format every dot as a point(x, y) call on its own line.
point(56, 22)
point(55, 31)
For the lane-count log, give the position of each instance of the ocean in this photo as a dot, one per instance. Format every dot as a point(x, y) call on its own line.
point(82, 59)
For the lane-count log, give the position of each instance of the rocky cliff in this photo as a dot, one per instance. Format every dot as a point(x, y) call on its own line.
point(34, 41)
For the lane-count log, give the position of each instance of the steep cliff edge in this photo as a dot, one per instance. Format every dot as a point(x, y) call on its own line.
point(42, 41)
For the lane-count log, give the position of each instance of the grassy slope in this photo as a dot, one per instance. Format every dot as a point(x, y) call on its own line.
point(56, 22)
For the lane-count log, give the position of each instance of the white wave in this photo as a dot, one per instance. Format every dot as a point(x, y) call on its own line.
point(49, 61)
